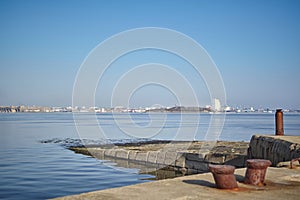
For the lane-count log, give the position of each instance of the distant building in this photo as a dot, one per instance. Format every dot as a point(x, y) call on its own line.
point(228, 109)
point(217, 105)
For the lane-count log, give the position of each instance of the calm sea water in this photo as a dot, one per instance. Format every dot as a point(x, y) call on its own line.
point(30, 169)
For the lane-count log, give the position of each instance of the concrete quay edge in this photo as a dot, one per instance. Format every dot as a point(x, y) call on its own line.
point(188, 161)
point(281, 183)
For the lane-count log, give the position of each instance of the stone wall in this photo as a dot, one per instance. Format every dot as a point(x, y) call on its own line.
point(274, 148)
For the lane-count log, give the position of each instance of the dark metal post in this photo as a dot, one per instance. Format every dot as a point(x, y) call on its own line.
point(279, 122)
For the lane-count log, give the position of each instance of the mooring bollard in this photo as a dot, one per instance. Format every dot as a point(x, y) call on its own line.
point(256, 171)
point(223, 176)
point(279, 122)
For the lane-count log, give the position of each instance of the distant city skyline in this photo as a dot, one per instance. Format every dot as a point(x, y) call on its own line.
point(159, 108)
point(255, 45)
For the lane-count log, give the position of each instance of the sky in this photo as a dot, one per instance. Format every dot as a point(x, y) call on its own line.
point(254, 44)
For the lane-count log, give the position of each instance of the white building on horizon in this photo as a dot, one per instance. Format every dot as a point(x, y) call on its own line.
point(217, 105)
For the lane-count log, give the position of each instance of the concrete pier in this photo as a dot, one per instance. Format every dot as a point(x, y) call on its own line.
point(281, 183)
point(175, 156)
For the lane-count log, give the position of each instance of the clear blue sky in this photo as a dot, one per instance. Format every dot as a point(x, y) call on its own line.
point(255, 44)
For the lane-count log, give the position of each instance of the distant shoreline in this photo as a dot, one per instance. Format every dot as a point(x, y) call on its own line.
point(98, 110)
point(108, 113)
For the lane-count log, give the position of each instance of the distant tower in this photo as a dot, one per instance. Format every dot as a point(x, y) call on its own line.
point(217, 105)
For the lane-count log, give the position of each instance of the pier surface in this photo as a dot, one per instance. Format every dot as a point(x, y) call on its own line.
point(281, 183)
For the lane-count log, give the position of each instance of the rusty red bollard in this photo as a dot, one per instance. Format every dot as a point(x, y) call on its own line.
point(279, 122)
point(223, 176)
point(256, 171)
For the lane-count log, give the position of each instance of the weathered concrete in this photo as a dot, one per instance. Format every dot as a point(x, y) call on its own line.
point(274, 148)
point(281, 183)
point(185, 157)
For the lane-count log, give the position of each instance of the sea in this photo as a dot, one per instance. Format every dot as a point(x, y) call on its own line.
point(35, 162)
